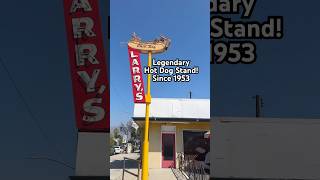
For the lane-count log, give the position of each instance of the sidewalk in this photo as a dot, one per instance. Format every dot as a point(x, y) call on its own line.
point(161, 174)
point(131, 173)
point(116, 166)
point(154, 174)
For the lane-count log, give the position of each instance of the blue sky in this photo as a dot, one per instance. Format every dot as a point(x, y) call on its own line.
point(184, 21)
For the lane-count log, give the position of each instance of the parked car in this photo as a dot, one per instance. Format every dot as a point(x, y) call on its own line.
point(117, 149)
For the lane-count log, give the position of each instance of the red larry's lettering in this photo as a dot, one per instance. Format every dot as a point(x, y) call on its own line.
point(88, 66)
point(136, 76)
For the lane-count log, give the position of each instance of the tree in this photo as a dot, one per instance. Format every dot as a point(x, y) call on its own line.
point(128, 130)
point(135, 134)
point(112, 142)
point(131, 131)
point(116, 133)
point(117, 136)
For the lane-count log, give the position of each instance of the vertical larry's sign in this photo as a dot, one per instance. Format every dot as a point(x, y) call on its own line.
point(136, 76)
point(88, 64)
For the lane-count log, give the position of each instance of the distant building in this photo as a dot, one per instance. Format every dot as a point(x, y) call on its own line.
point(124, 139)
point(177, 126)
point(135, 125)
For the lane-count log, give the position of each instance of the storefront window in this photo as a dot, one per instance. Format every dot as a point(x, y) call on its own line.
point(194, 143)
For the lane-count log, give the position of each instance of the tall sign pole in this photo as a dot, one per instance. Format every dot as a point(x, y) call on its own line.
point(148, 47)
point(145, 157)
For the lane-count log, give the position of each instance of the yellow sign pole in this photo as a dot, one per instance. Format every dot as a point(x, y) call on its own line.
point(156, 46)
point(145, 152)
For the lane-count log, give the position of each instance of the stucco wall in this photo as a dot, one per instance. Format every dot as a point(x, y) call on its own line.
point(154, 145)
point(268, 148)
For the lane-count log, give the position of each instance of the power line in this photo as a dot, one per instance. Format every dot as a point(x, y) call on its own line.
point(53, 160)
point(28, 108)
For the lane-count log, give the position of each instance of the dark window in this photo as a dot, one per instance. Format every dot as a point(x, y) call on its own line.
point(194, 139)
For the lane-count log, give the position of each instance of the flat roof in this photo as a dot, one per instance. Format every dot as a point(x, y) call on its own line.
point(265, 120)
point(166, 109)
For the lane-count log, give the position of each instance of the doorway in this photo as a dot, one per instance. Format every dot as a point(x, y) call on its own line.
point(168, 150)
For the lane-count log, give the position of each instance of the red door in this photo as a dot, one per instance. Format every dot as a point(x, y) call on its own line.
point(168, 151)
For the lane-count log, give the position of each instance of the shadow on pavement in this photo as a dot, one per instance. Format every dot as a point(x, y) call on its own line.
point(118, 164)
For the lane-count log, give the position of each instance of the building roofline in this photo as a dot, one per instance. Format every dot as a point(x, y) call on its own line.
point(172, 119)
point(265, 120)
point(186, 99)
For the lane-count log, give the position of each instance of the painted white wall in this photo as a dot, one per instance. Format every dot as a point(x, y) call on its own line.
point(92, 154)
point(175, 108)
point(266, 148)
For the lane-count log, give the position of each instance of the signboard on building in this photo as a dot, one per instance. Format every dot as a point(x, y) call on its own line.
point(136, 76)
point(88, 65)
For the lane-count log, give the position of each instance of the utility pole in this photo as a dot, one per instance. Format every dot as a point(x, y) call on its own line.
point(259, 105)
